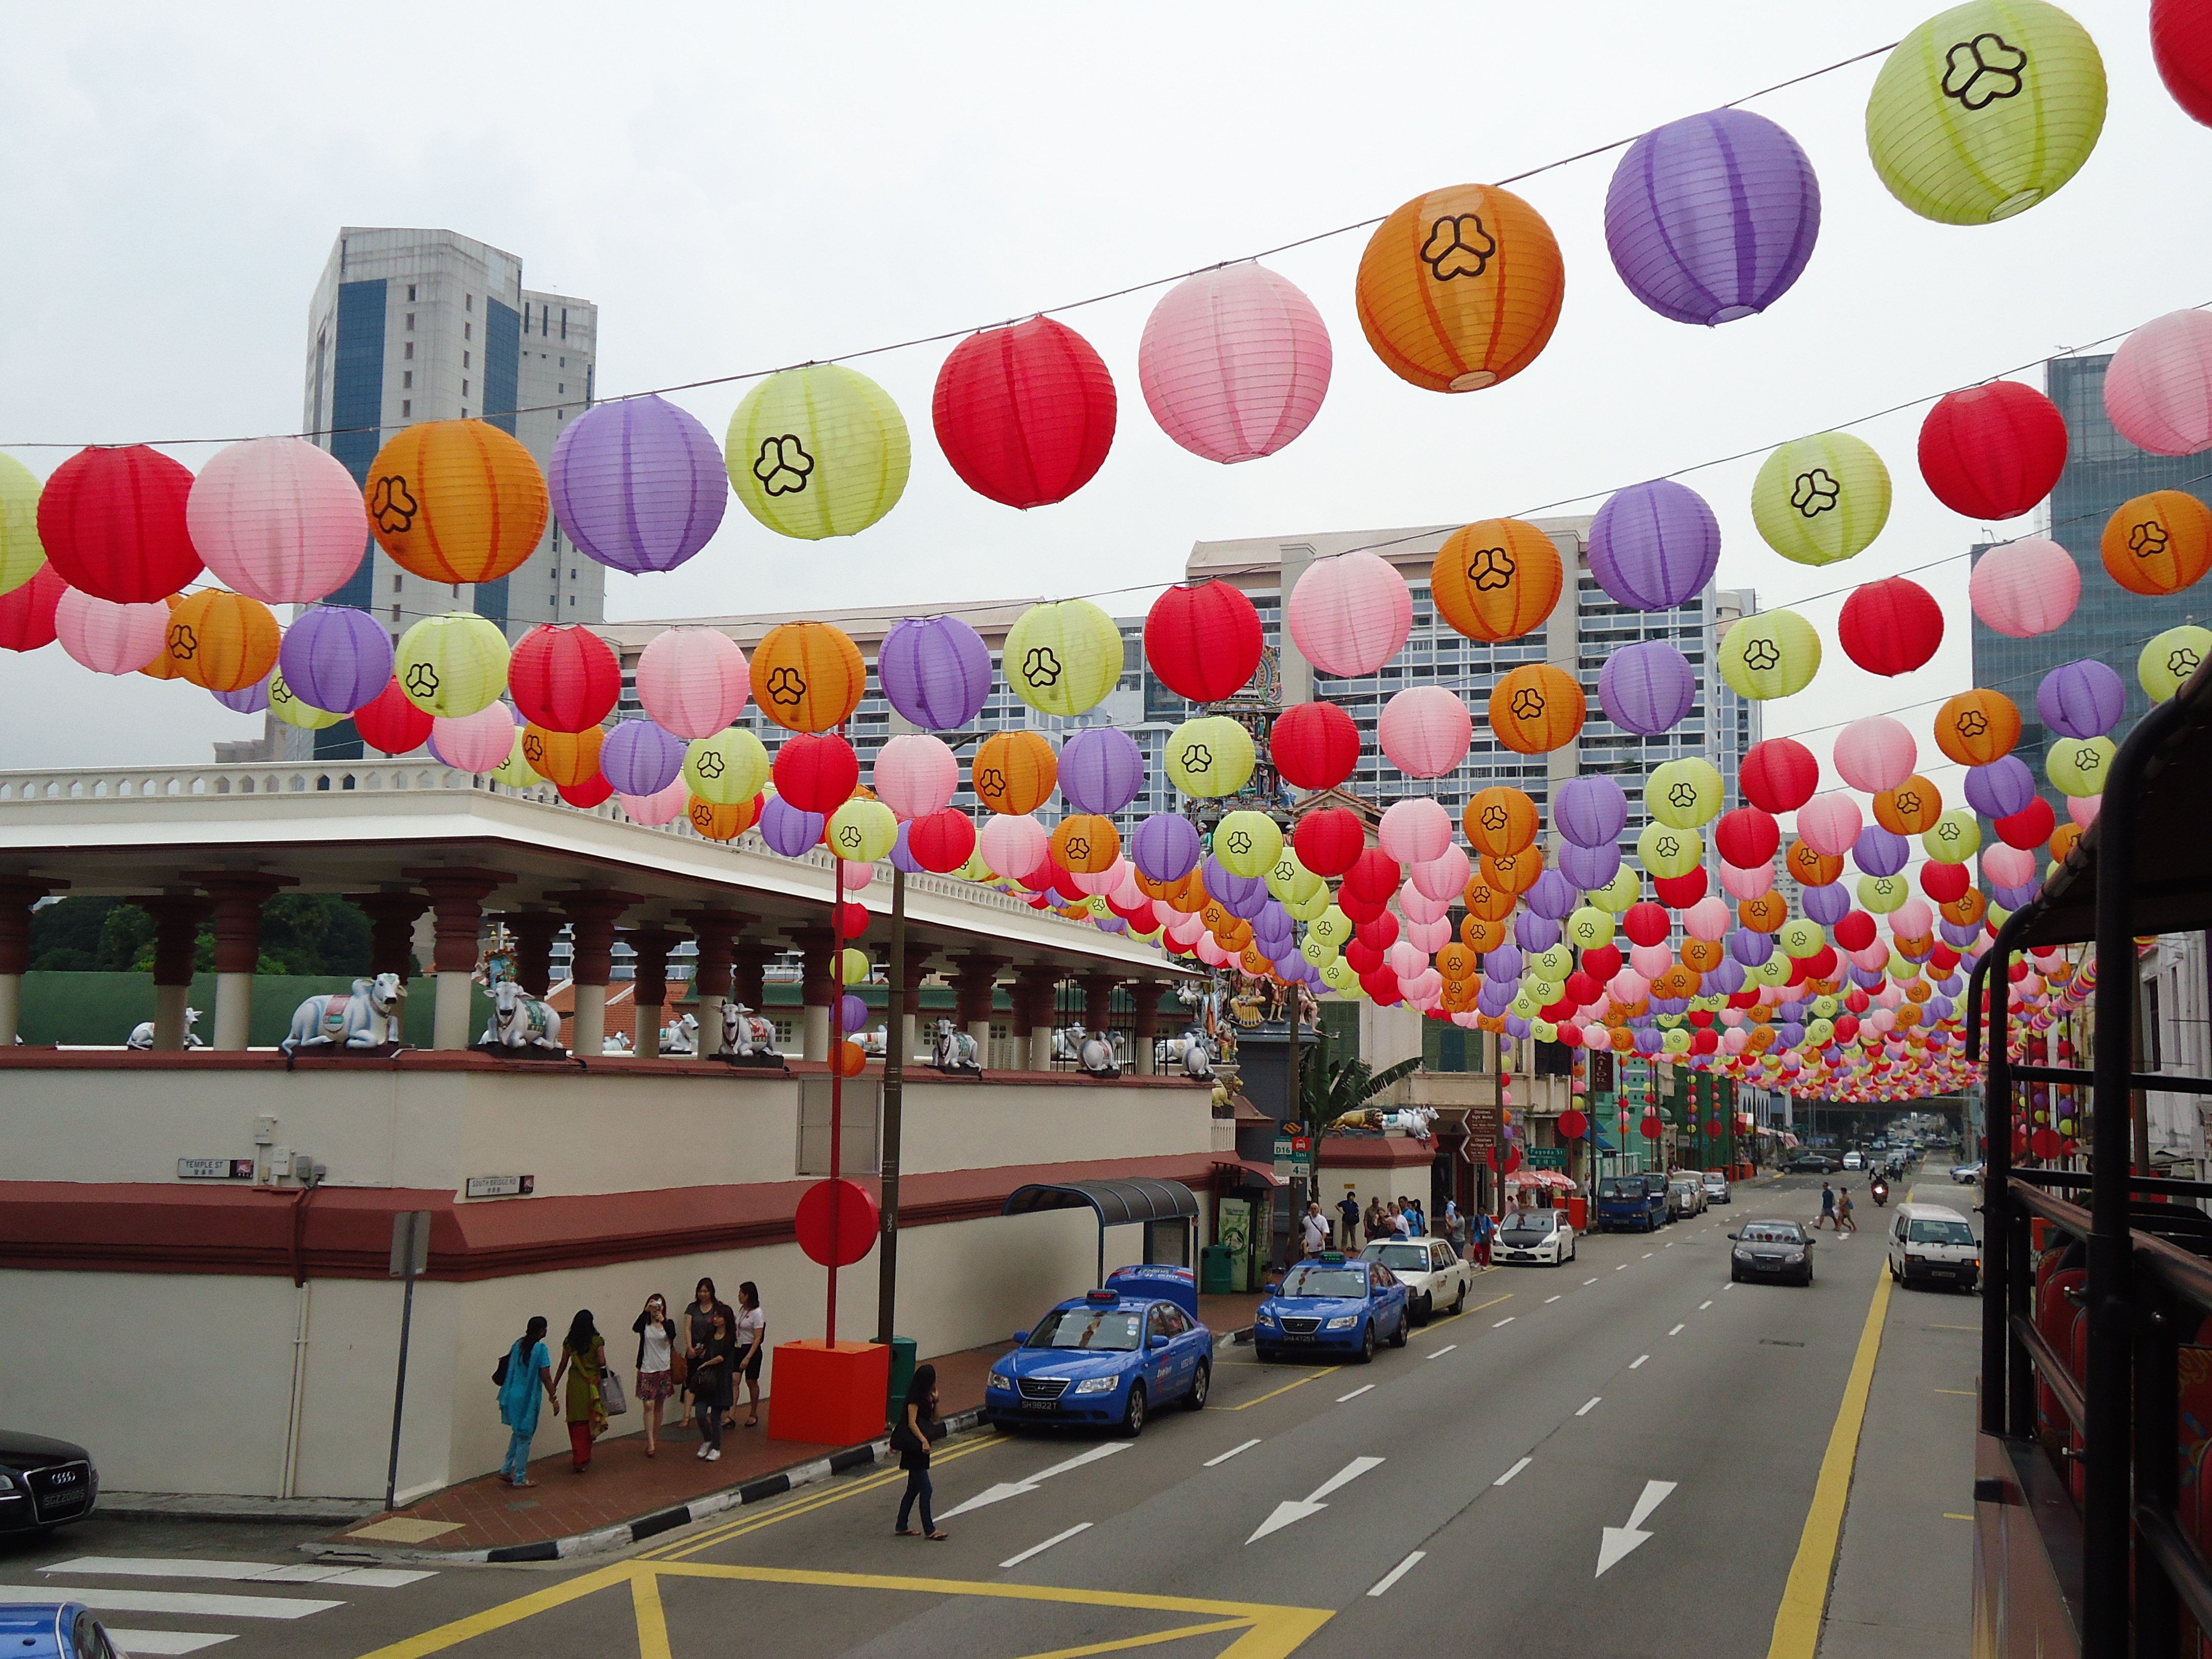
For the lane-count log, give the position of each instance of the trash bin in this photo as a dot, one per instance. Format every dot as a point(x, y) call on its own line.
point(903, 1351)
point(1578, 1214)
point(1217, 1270)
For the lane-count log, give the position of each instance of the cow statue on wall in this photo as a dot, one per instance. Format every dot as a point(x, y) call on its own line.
point(954, 1050)
point(142, 1034)
point(367, 1016)
point(520, 1020)
point(748, 1038)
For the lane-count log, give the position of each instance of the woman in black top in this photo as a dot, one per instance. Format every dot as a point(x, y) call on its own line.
point(699, 1317)
point(917, 1427)
point(711, 1362)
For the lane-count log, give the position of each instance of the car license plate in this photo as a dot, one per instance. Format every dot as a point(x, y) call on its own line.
point(1521, 1255)
point(1039, 1405)
point(1297, 1336)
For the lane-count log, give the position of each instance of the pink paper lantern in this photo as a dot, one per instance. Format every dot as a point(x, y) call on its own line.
point(1416, 906)
point(916, 775)
point(1416, 830)
point(1425, 731)
point(2007, 866)
point(1708, 919)
point(1912, 920)
point(1350, 614)
point(2026, 587)
point(278, 519)
point(1235, 362)
point(693, 681)
point(1874, 754)
point(109, 638)
point(1406, 959)
point(1756, 882)
point(477, 742)
point(2159, 388)
point(2082, 809)
point(1829, 823)
point(1012, 841)
point(1443, 878)
point(655, 810)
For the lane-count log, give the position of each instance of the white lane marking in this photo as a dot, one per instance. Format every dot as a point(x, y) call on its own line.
point(202, 1605)
point(1514, 1470)
point(1618, 1541)
point(1729, 1285)
point(1587, 1283)
point(158, 1566)
point(1384, 1584)
point(1442, 1352)
point(1702, 1306)
point(1621, 1268)
point(1670, 1246)
point(1355, 1393)
point(1677, 1331)
point(1549, 1300)
point(1647, 1254)
point(1006, 1489)
point(1640, 1359)
point(1039, 1549)
point(1230, 1453)
point(1508, 1320)
point(1589, 1405)
point(165, 1641)
point(1293, 1509)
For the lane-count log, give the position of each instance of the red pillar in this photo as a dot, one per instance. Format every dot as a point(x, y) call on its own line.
point(239, 895)
point(715, 930)
point(534, 931)
point(649, 994)
point(457, 896)
point(391, 919)
point(17, 894)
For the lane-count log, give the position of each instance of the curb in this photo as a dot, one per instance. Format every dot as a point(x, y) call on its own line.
point(627, 1532)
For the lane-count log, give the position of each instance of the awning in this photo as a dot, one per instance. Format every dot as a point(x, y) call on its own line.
point(1263, 1173)
point(1125, 1202)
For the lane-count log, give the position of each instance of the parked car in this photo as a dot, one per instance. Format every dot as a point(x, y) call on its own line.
point(1929, 1244)
point(54, 1630)
point(1330, 1304)
point(1717, 1188)
point(1685, 1196)
point(1967, 1174)
point(1432, 1273)
point(1106, 1357)
point(44, 1483)
point(1780, 1250)
point(1626, 1203)
point(1855, 1159)
point(1813, 1164)
point(1536, 1236)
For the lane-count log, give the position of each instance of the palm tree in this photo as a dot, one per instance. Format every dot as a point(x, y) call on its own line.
point(1329, 1088)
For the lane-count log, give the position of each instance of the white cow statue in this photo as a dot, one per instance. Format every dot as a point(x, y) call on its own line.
point(367, 1016)
point(747, 1036)
point(1190, 1052)
point(1096, 1056)
point(520, 1020)
point(954, 1050)
point(680, 1036)
point(141, 1034)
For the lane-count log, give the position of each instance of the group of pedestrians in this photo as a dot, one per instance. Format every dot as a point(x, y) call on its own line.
point(707, 1355)
point(1836, 1210)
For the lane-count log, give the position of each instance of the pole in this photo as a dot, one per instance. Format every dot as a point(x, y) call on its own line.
point(410, 1243)
point(837, 1082)
point(894, 1094)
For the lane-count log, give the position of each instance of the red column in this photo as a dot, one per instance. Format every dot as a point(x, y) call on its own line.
point(1144, 1024)
point(533, 931)
point(817, 986)
point(652, 943)
point(749, 960)
point(391, 918)
point(457, 896)
point(592, 914)
point(715, 930)
point(17, 894)
point(1098, 1002)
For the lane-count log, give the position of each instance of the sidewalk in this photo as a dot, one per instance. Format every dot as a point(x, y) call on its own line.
point(626, 1495)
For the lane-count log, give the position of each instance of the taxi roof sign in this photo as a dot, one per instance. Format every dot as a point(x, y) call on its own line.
point(1105, 1299)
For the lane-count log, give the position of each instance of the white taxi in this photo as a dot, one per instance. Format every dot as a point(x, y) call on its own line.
point(1434, 1273)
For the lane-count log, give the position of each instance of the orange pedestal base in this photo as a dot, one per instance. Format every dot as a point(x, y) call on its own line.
point(831, 1396)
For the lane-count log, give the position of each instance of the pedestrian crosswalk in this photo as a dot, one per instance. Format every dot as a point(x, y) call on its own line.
point(109, 1600)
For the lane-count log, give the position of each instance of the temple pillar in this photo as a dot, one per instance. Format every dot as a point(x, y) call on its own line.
point(457, 899)
point(239, 895)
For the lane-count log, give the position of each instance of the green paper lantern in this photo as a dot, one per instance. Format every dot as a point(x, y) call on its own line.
point(1822, 499)
point(452, 665)
point(1317, 950)
point(1552, 966)
point(1590, 927)
point(1338, 976)
point(1063, 658)
point(817, 452)
point(1248, 843)
point(2166, 662)
point(1775, 653)
point(1676, 1042)
point(1802, 938)
point(1953, 838)
point(2079, 766)
point(727, 769)
point(1210, 756)
point(862, 831)
point(1879, 894)
point(1667, 851)
point(1332, 927)
point(516, 771)
point(1623, 891)
point(1685, 794)
point(1985, 110)
point(22, 556)
point(292, 711)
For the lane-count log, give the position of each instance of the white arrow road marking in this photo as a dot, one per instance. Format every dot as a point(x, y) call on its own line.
point(1039, 1549)
point(1619, 1541)
point(1291, 1510)
point(1514, 1470)
point(1230, 1453)
point(1006, 1489)
point(1384, 1584)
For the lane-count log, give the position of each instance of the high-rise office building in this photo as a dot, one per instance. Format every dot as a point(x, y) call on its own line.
point(2103, 469)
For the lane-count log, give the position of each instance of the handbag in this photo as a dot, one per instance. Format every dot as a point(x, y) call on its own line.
point(680, 1365)
point(610, 1392)
point(499, 1371)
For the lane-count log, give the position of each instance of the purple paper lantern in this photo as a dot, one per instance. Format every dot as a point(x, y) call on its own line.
point(1589, 812)
point(788, 831)
point(903, 857)
point(250, 701)
point(1750, 948)
point(1589, 867)
point(640, 758)
point(1647, 688)
point(2082, 699)
point(2002, 788)
point(854, 1011)
point(1653, 546)
point(1554, 896)
point(936, 671)
point(1101, 769)
point(1712, 217)
point(1826, 905)
point(1871, 979)
point(1534, 932)
point(1726, 980)
point(1960, 934)
point(1165, 847)
point(1648, 1041)
point(1505, 964)
point(638, 485)
point(1880, 853)
point(337, 658)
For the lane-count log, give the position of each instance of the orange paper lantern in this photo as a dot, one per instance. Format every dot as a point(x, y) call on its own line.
point(1484, 933)
point(1765, 913)
point(1537, 708)
point(563, 757)
point(852, 1060)
point(1460, 288)
point(1499, 820)
point(1085, 844)
point(808, 676)
point(457, 500)
point(1810, 868)
point(1911, 808)
point(1977, 728)
point(164, 666)
point(1014, 772)
point(224, 641)
point(1485, 899)
point(723, 823)
point(1702, 956)
point(2159, 544)
point(1497, 580)
point(1513, 872)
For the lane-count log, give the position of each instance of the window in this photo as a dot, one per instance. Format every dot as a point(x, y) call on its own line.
point(564, 392)
point(395, 613)
point(572, 602)
point(564, 362)
point(468, 330)
point(396, 582)
point(465, 408)
point(408, 351)
point(564, 331)
point(410, 293)
point(406, 408)
point(468, 303)
point(465, 390)
point(407, 377)
point(410, 322)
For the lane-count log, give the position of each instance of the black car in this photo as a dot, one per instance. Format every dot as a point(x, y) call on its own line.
point(1778, 1250)
point(44, 1483)
point(1813, 1164)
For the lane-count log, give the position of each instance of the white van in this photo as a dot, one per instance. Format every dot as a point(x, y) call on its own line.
point(1929, 1244)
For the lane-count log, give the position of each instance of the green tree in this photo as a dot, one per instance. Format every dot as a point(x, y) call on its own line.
point(1330, 1088)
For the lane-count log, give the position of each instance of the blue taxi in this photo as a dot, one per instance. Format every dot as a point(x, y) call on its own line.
point(1110, 1358)
point(53, 1630)
point(1331, 1304)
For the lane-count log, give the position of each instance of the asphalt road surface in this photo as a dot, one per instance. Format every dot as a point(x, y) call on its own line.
point(1618, 1456)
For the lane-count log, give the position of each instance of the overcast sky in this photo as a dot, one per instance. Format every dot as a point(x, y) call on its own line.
point(746, 186)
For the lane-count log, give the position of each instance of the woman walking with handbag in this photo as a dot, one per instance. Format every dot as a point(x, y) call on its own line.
point(700, 1316)
point(657, 1350)
point(752, 1342)
point(917, 1427)
point(709, 1381)
point(527, 1368)
point(584, 1362)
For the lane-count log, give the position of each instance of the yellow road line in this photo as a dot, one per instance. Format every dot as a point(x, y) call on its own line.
point(651, 1617)
point(1948, 1515)
point(1493, 1303)
point(1964, 1393)
point(1308, 1378)
point(508, 1613)
point(1152, 1640)
point(1805, 1596)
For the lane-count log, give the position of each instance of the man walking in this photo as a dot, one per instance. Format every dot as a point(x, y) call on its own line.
point(1827, 1207)
point(1314, 1229)
point(1349, 1209)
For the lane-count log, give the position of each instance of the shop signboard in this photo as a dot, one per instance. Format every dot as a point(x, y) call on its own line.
point(1547, 1158)
point(1481, 1129)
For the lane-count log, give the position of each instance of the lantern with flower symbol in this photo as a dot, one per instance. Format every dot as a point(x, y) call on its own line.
point(817, 450)
point(1460, 288)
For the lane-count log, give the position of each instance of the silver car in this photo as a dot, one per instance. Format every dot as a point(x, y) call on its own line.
point(1717, 1188)
point(1685, 1196)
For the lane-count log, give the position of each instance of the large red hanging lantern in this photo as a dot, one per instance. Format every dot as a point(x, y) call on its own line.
point(1945, 884)
point(391, 722)
point(26, 611)
point(943, 841)
point(1025, 413)
point(1779, 776)
point(564, 677)
point(1680, 892)
point(1855, 932)
point(1747, 836)
point(2181, 45)
point(588, 793)
point(112, 524)
point(1204, 643)
point(817, 772)
point(1328, 842)
point(1890, 627)
point(1992, 452)
point(2030, 827)
point(1315, 745)
point(1372, 877)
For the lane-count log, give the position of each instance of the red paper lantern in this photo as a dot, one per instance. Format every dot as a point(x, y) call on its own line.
point(1204, 643)
point(1383, 986)
point(1025, 413)
point(590, 792)
point(852, 920)
point(2181, 45)
point(1821, 964)
point(2030, 827)
point(26, 612)
point(1361, 909)
point(1890, 627)
point(1945, 884)
point(1380, 933)
point(1855, 932)
point(942, 841)
point(1680, 892)
point(564, 679)
point(1314, 747)
point(1373, 877)
point(817, 772)
point(1646, 923)
point(1327, 841)
point(390, 722)
point(1992, 452)
point(1779, 776)
point(1365, 957)
point(1573, 1126)
point(1601, 962)
point(1747, 836)
point(1651, 1128)
point(112, 523)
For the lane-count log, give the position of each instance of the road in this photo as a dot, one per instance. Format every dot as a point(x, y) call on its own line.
point(1618, 1456)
